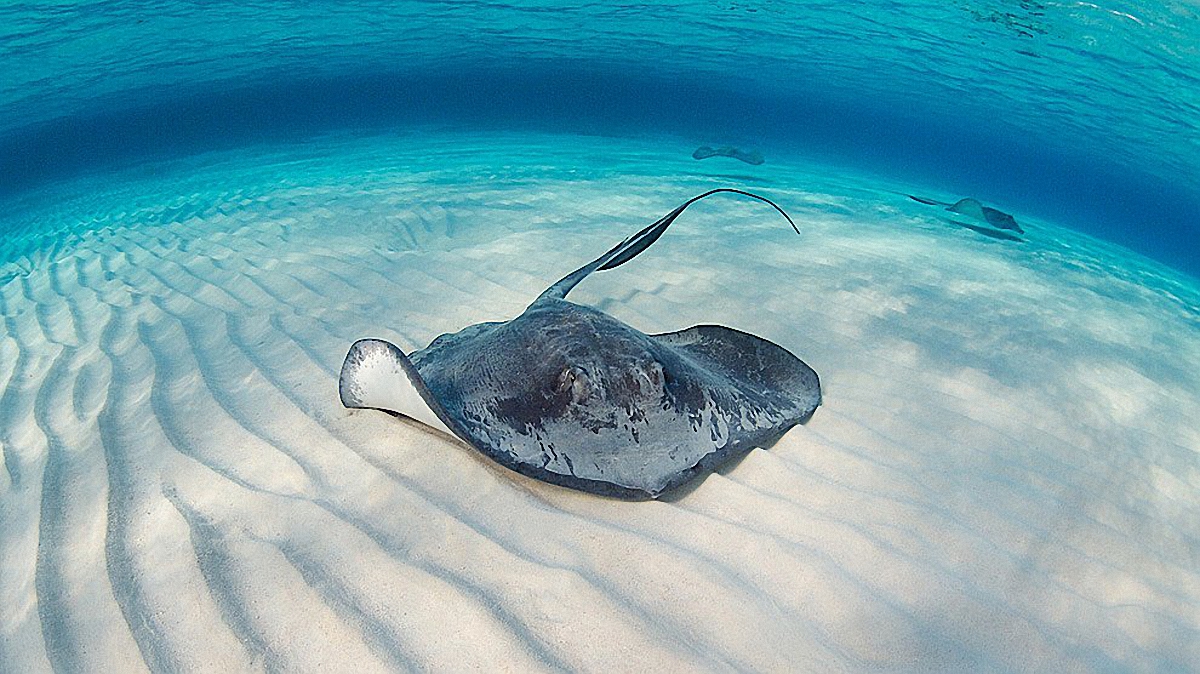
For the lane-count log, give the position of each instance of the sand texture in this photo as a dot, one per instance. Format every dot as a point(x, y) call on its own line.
point(1004, 475)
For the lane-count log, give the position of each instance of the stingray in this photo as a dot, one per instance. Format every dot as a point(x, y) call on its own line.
point(972, 208)
point(567, 394)
point(753, 157)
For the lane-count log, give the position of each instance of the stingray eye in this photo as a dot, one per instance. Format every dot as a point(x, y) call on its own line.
point(654, 372)
point(574, 380)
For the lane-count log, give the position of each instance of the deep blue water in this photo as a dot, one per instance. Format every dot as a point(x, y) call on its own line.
point(1085, 114)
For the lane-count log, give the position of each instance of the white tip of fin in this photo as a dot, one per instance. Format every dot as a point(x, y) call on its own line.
point(377, 375)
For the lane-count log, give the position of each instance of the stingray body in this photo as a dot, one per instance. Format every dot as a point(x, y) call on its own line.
point(974, 209)
point(570, 395)
point(752, 157)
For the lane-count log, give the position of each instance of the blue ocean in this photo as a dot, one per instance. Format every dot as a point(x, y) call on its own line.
point(994, 270)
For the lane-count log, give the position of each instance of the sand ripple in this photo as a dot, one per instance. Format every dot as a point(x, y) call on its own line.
point(1004, 473)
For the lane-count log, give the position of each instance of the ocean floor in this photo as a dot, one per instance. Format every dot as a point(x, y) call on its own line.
point(1004, 475)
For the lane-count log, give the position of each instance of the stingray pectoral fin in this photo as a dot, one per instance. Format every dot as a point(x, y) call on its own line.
point(377, 375)
point(771, 379)
point(1001, 220)
point(752, 157)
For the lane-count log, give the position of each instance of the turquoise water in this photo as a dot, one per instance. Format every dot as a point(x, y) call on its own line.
point(205, 204)
point(1081, 113)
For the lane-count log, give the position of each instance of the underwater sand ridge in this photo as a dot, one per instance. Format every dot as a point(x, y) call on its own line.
point(183, 490)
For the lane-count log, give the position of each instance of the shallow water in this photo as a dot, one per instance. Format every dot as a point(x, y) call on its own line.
point(204, 210)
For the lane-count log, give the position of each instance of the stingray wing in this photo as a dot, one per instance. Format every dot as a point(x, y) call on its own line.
point(753, 390)
point(781, 388)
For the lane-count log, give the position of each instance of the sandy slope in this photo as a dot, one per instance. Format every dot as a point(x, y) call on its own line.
point(1004, 473)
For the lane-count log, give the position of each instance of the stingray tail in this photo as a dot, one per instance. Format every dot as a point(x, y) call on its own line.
point(377, 375)
point(633, 246)
point(923, 200)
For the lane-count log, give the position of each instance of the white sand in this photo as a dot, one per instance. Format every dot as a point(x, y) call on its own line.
point(1005, 473)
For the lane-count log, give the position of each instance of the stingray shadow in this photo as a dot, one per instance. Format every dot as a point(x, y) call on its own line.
point(723, 468)
point(998, 234)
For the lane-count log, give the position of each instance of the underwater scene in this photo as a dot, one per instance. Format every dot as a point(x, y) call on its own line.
point(721, 335)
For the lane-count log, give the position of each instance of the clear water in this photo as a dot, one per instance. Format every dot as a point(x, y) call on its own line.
point(204, 204)
point(1082, 113)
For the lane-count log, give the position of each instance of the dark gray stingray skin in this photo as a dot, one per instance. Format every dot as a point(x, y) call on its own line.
point(570, 395)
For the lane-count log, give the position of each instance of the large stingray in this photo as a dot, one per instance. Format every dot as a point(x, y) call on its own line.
point(570, 395)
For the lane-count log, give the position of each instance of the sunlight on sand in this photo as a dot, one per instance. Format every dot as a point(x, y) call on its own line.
point(1004, 473)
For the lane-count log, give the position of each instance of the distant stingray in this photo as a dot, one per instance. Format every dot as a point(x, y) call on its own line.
point(750, 157)
point(572, 396)
point(971, 208)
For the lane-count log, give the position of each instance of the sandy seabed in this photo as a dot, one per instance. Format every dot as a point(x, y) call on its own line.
point(1004, 475)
